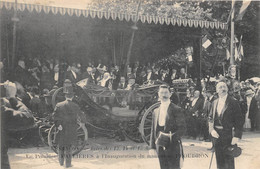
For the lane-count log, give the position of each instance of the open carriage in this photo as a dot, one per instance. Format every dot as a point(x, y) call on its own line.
point(114, 113)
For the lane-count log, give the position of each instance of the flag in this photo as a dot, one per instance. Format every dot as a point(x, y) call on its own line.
point(236, 40)
point(236, 53)
point(231, 11)
point(227, 53)
point(206, 42)
point(242, 10)
point(240, 50)
point(190, 58)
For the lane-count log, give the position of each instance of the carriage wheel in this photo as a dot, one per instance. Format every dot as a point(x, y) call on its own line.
point(132, 132)
point(146, 122)
point(82, 134)
point(43, 132)
point(58, 96)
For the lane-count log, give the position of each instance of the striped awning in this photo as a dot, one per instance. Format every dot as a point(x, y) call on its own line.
point(74, 8)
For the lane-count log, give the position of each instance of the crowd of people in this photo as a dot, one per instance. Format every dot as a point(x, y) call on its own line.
point(47, 73)
point(197, 105)
point(50, 74)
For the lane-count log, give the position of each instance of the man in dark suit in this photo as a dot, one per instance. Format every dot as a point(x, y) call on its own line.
point(141, 78)
point(65, 119)
point(225, 115)
point(72, 74)
point(149, 75)
point(88, 75)
point(164, 76)
point(194, 113)
point(167, 119)
point(122, 84)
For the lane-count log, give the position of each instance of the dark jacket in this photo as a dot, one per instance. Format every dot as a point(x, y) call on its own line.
point(70, 76)
point(88, 76)
point(231, 117)
point(122, 86)
point(172, 155)
point(166, 79)
point(253, 109)
point(65, 114)
point(198, 107)
point(175, 122)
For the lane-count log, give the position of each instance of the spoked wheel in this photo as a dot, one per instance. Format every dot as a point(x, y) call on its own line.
point(132, 132)
point(58, 96)
point(146, 122)
point(43, 132)
point(82, 137)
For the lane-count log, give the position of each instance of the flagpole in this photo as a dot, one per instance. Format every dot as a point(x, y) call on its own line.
point(232, 60)
point(15, 20)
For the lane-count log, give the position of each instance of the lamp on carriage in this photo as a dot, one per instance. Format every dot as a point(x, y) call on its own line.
point(67, 86)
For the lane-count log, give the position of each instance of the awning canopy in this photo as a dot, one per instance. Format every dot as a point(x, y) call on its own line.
point(80, 8)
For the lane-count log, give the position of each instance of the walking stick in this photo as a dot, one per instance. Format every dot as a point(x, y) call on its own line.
point(211, 159)
point(213, 151)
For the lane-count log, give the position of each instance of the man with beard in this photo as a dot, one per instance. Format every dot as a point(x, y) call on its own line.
point(225, 115)
point(168, 125)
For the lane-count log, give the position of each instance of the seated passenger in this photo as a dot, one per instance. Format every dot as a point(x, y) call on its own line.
point(122, 83)
point(105, 81)
point(131, 84)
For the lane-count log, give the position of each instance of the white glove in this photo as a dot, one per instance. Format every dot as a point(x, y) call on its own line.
point(152, 152)
point(234, 140)
point(60, 127)
point(214, 134)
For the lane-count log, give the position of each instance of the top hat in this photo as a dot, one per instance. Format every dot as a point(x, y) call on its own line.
point(233, 150)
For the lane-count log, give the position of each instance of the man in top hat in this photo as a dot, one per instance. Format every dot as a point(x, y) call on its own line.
point(167, 120)
point(65, 118)
point(225, 115)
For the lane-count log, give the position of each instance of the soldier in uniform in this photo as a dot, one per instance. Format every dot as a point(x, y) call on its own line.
point(225, 115)
point(168, 120)
point(65, 118)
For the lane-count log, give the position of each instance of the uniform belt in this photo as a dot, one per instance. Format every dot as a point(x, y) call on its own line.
point(219, 127)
